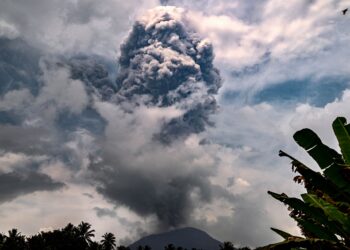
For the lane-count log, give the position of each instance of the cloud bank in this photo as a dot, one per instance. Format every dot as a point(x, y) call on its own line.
point(14, 184)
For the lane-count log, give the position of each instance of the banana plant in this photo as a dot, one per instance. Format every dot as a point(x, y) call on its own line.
point(323, 212)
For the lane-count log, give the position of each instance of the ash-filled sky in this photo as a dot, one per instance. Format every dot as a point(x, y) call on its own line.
point(142, 116)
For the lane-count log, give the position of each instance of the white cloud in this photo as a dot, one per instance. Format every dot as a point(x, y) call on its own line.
point(8, 30)
point(294, 40)
point(300, 33)
point(72, 26)
point(320, 119)
point(16, 100)
point(17, 161)
point(61, 91)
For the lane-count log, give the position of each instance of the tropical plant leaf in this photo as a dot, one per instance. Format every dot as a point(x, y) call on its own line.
point(331, 211)
point(324, 213)
point(281, 233)
point(290, 201)
point(314, 181)
point(297, 204)
point(342, 134)
point(311, 212)
point(317, 230)
point(335, 173)
point(307, 138)
point(322, 154)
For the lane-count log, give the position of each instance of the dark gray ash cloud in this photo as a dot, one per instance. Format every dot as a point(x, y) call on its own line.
point(88, 195)
point(19, 65)
point(169, 199)
point(96, 72)
point(165, 63)
point(15, 184)
point(27, 140)
point(105, 212)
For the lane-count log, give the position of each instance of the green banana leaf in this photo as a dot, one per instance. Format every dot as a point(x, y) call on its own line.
point(311, 212)
point(324, 213)
point(331, 211)
point(336, 174)
point(315, 181)
point(322, 154)
point(317, 230)
point(342, 134)
point(281, 233)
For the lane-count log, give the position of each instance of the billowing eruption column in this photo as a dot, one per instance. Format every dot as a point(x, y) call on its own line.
point(164, 62)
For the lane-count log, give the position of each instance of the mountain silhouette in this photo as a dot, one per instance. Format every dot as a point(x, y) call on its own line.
point(185, 237)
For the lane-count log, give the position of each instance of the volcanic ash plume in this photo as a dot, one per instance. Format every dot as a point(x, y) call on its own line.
point(165, 92)
point(165, 63)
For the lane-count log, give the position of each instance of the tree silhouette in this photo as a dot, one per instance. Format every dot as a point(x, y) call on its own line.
point(68, 238)
point(170, 247)
point(36, 242)
point(14, 241)
point(146, 247)
point(123, 248)
point(227, 246)
point(85, 232)
point(2, 240)
point(95, 246)
point(108, 241)
point(70, 229)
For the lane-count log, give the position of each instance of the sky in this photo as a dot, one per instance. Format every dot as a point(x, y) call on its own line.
point(143, 116)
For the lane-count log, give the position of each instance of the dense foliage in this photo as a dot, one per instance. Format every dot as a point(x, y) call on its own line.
point(70, 237)
point(323, 212)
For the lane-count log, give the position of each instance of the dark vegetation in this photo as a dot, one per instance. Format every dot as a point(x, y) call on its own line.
point(70, 237)
point(323, 212)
